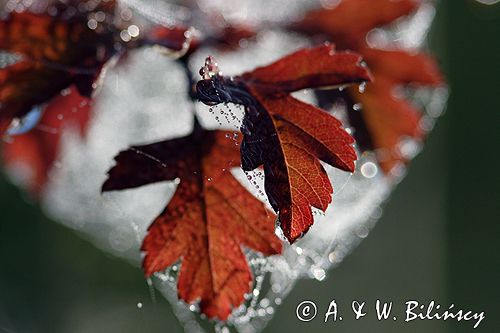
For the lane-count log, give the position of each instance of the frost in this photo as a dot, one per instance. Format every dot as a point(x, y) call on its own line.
point(146, 100)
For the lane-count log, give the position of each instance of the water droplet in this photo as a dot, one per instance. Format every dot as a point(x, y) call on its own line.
point(319, 274)
point(362, 232)
point(125, 36)
point(210, 69)
point(409, 147)
point(362, 87)
point(264, 302)
point(65, 92)
point(92, 24)
point(222, 329)
point(332, 257)
point(126, 14)
point(100, 16)
point(369, 169)
point(377, 213)
point(133, 31)
point(276, 288)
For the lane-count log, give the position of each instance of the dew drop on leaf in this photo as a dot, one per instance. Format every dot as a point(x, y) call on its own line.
point(362, 87)
point(210, 69)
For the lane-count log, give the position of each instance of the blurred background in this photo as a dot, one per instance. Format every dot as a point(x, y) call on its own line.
point(437, 239)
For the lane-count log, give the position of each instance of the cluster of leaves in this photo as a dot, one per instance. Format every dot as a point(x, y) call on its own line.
point(385, 119)
point(63, 51)
point(289, 137)
point(211, 215)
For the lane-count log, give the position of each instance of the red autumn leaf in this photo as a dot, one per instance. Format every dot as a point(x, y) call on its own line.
point(37, 150)
point(57, 51)
point(385, 120)
point(61, 47)
point(289, 137)
point(389, 119)
point(209, 218)
point(348, 22)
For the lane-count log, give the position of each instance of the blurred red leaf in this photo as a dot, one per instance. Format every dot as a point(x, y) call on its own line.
point(209, 218)
point(348, 22)
point(37, 150)
point(64, 46)
point(385, 120)
point(390, 119)
point(57, 52)
point(289, 137)
point(60, 49)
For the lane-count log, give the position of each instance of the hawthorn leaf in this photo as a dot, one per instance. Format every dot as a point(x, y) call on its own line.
point(36, 150)
point(289, 137)
point(387, 117)
point(347, 23)
point(56, 52)
point(61, 47)
point(403, 67)
point(385, 120)
point(207, 221)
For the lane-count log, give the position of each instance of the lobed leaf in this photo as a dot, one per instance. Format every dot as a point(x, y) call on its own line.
point(349, 21)
point(289, 137)
point(207, 221)
point(62, 49)
point(384, 120)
